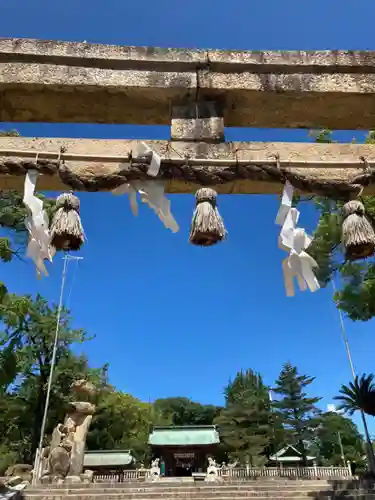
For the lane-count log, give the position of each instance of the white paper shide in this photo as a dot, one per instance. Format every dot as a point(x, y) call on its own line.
point(298, 264)
point(37, 224)
point(150, 192)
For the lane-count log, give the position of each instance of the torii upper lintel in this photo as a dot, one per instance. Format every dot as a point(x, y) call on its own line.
point(52, 81)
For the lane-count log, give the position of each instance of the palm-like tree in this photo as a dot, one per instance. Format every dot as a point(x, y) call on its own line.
point(358, 395)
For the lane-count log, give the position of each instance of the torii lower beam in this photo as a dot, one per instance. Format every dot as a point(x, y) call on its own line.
point(51, 81)
point(231, 167)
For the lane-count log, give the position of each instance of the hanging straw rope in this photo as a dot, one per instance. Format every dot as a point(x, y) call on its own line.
point(66, 228)
point(207, 226)
point(220, 171)
point(358, 234)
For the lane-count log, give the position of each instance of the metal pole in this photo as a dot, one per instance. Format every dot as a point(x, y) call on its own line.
point(370, 451)
point(53, 361)
point(341, 448)
point(270, 398)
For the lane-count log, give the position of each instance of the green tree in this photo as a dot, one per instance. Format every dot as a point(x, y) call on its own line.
point(356, 295)
point(28, 334)
point(358, 395)
point(245, 422)
point(183, 411)
point(9, 133)
point(333, 428)
point(295, 409)
point(12, 216)
point(121, 422)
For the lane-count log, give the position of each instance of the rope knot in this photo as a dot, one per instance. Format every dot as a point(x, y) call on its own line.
point(68, 201)
point(206, 194)
point(353, 207)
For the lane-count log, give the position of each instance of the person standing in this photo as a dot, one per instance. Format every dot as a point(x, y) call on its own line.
point(162, 467)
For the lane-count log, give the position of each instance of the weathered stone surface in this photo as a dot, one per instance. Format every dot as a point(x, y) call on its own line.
point(78, 82)
point(14, 481)
point(19, 470)
point(83, 407)
point(66, 451)
point(342, 160)
point(59, 462)
point(262, 488)
point(79, 444)
point(198, 122)
point(72, 480)
point(87, 476)
point(83, 387)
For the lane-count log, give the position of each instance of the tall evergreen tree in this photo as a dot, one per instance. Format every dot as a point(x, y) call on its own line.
point(297, 411)
point(244, 423)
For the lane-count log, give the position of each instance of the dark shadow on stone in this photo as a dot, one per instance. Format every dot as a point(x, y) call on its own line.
point(358, 489)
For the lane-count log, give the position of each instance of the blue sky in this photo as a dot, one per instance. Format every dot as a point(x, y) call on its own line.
point(170, 318)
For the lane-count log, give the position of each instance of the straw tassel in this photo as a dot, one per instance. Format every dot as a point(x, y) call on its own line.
point(358, 234)
point(207, 227)
point(66, 228)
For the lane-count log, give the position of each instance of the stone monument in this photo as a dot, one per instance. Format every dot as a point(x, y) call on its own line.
point(63, 459)
point(155, 469)
point(212, 474)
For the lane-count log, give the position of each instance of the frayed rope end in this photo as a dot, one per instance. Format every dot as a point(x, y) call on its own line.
point(66, 228)
point(358, 235)
point(207, 226)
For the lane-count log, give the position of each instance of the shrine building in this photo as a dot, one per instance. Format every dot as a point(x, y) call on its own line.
point(183, 450)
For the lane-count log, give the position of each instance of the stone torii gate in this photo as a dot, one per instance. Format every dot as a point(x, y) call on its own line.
point(197, 92)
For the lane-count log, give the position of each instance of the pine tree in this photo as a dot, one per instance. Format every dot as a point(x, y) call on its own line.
point(297, 411)
point(357, 285)
point(245, 424)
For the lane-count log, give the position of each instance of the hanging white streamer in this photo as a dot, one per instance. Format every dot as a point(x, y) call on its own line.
point(37, 225)
point(154, 167)
point(286, 203)
point(132, 194)
point(286, 237)
point(151, 193)
point(298, 264)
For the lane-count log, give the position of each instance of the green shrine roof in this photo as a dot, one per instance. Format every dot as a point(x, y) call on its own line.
point(107, 458)
point(184, 436)
point(289, 454)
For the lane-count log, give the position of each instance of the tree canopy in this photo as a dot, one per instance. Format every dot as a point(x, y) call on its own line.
point(358, 395)
point(334, 431)
point(295, 409)
point(356, 294)
point(245, 422)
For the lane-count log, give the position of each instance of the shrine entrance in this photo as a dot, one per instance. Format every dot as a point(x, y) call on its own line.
point(183, 451)
point(182, 464)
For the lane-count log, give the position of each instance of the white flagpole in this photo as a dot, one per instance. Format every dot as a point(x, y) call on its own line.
point(370, 451)
point(38, 453)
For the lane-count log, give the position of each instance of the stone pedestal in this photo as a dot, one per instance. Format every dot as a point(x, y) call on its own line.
point(68, 442)
point(80, 419)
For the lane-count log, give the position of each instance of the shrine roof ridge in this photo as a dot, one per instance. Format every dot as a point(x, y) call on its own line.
point(174, 59)
point(182, 427)
point(101, 458)
point(194, 435)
